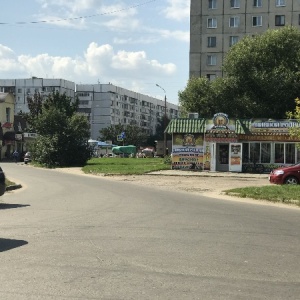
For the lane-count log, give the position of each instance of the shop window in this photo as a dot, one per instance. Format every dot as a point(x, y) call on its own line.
point(245, 152)
point(254, 152)
point(265, 153)
point(289, 153)
point(279, 153)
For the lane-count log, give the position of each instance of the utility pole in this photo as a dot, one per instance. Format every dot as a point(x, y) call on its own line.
point(165, 121)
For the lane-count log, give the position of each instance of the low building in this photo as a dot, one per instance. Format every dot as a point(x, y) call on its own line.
point(7, 132)
point(223, 144)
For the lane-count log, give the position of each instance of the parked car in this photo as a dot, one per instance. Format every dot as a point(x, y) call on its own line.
point(27, 157)
point(2, 182)
point(286, 175)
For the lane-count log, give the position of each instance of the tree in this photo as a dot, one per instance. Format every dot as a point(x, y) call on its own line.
point(198, 96)
point(265, 69)
point(134, 135)
point(262, 79)
point(62, 133)
point(295, 131)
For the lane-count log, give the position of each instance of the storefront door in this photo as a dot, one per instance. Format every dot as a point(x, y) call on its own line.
point(222, 157)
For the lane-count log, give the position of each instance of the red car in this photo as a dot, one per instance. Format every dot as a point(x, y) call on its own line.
point(286, 175)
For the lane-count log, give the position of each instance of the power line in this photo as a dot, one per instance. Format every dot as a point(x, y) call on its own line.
point(78, 18)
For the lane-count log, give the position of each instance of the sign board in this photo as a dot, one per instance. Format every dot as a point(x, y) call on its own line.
point(235, 157)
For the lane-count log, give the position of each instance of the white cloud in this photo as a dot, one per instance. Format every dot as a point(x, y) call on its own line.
point(131, 69)
point(178, 10)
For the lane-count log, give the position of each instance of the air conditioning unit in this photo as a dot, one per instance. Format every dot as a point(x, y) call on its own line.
point(193, 115)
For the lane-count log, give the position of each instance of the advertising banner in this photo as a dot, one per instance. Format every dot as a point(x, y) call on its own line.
point(187, 151)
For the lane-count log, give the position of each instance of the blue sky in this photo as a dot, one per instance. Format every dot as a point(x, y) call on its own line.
point(134, 44)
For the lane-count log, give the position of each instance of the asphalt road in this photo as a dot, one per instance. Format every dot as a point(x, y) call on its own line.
point(66, 236)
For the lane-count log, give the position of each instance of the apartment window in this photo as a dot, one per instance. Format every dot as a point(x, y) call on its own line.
point(19, 91)
point(257, 21)
point(280, 2)
point(211, 60)
point(234, 22)
point(211, 77)
point(257, 3)
point(280, 20)
point(211, 42)
point(233, 40)
point(212, 4)
point(211, 23)
point(235, 3)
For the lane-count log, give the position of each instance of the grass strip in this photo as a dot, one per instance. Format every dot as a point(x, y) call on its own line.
point(274, 193)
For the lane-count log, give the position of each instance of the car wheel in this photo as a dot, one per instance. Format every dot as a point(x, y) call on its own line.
point(291, 180)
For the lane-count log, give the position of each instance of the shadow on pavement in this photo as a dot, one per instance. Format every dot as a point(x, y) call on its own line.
point(8, 244)
point(9, 206)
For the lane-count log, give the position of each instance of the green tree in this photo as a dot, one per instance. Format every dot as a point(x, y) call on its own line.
point(262, 79)
point(265, 69)
point(62, 134)
point(134, 135)
point(198, 96)
point(295, 114)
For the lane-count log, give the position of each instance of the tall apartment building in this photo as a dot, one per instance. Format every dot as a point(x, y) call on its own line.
point(107, 104)
point(24, 88)
point(216, 25)
point(103, 104)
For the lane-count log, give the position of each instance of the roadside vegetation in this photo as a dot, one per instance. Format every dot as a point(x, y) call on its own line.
point(289, 194)
point(125, 166)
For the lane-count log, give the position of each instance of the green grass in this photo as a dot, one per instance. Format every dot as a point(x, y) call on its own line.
point(125, 166)
point(274, 193)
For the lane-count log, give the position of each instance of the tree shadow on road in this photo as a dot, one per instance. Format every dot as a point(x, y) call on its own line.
point(8, 244)
point(9, 206)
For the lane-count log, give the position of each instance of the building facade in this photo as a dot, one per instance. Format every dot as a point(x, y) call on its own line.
point(22, 89)
point(103, 104)
point(223, 144)
point(107, 104)
point(216, 25)
point(7, 133)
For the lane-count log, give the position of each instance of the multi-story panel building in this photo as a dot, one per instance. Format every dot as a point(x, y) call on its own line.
point(216, 25)
point(103, 104)
point(107, 104)
point(26, 88)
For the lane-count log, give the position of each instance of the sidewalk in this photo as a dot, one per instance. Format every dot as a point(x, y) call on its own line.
point(208, 174)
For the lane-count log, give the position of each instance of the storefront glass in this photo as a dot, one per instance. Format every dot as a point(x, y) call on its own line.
point(279, 153)
point(254, 152)
point(289, 153)
point(265, 153)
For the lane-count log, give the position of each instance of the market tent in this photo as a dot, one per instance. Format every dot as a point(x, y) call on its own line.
point(124, 150)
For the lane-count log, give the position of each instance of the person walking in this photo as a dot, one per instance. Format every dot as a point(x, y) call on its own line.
point(16, 155)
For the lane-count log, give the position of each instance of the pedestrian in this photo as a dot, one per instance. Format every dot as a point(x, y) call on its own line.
point(16, 155)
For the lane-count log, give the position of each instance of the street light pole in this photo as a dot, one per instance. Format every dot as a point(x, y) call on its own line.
point(165, 121)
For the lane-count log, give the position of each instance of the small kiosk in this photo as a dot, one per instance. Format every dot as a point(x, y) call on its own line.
point(223, 144)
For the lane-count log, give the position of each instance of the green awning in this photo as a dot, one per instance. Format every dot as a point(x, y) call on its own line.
point(242, 126)
point(186, 126)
